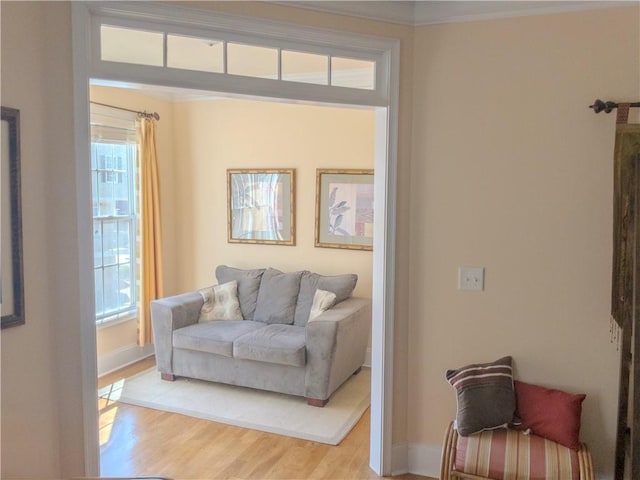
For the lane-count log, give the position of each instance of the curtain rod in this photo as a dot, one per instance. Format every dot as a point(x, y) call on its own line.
point(600, 106)
point(140, 114)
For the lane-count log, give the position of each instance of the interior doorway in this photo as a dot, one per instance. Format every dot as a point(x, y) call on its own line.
point(87, 22)
point(200, 135)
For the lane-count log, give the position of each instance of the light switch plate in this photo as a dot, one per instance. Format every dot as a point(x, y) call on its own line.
point(471, 278)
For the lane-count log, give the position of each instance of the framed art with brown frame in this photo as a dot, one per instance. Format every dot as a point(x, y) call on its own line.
point(12, 286)
point(261, 206)
point(344, 209)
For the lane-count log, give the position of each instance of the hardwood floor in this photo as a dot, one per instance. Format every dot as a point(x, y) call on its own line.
point(136, 441)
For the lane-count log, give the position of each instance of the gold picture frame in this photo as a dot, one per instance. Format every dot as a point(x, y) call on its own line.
point(344, 209)
point(261, 206)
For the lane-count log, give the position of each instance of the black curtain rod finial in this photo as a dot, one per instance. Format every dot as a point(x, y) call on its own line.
point(606, 107)
point(600, 106)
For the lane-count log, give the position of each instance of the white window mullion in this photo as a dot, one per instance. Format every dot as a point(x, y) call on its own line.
point(279, 63)
point(224, 57)
point(164, 50)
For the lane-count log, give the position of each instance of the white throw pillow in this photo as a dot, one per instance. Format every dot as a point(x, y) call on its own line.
point(322, 300)
point(220, 303)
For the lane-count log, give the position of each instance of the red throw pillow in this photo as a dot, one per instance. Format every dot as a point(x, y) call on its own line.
point(549, 413)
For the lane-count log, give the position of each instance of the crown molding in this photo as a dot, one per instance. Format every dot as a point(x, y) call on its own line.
point(422, 12)
point(391, 11)
point(436, 12)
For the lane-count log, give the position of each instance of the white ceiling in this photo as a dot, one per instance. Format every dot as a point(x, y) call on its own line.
point(423, 12)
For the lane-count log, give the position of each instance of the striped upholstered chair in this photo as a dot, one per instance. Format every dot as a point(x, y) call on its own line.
point(508, 454)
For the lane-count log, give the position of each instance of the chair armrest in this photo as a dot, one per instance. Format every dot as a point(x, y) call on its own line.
point(448, 453)
point(169, 314)
point(336, 346)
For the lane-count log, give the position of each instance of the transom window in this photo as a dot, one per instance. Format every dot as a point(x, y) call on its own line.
point(223, 56)
point(113, 182)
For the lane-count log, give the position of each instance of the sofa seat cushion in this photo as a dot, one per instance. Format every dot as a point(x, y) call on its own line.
point(277, 343)
point(213, 337)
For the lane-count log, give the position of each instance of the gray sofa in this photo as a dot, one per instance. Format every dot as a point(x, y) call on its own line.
point(274, 347)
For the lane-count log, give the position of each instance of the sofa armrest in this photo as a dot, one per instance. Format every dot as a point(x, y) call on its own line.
point(336, 346)
point(169, 314)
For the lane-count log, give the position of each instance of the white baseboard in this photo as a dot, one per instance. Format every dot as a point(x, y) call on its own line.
point(367, 358)
point(424, 459)
point(399, 459)
point(112, 361)
point(416, 458)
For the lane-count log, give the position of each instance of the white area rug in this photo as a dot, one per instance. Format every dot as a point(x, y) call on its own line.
point(245, 407)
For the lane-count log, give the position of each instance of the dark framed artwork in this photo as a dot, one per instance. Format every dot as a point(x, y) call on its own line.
point(12, 285)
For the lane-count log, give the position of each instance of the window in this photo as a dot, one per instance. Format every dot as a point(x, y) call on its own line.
point(213, 53)
point(252, 60)
point(305, 67)
point(132, 46)
point(200, 54)
point(113, 185)
point(352, 73)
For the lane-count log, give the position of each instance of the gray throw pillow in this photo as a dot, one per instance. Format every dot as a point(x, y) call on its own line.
point(277, 297)
point(486, 398)
point(341, 285)
point(248, 286)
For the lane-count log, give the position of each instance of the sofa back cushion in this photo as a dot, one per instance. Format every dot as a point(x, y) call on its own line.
point(341, 285)
point(248, 286)
point(277, 297)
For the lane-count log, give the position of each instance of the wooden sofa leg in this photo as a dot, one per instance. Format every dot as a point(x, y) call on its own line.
point(170, 377)
point(316, 402)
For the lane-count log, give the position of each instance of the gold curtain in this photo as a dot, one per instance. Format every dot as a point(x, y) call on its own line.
point(151, 231)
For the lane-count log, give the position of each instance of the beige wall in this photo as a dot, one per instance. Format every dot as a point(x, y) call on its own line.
point(512, 171)
point(28, 351)
point(42, 432)
point(508, 169)
point(215, 135)
point(124, 334)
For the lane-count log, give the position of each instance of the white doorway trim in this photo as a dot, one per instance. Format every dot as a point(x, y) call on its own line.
point(84, 15)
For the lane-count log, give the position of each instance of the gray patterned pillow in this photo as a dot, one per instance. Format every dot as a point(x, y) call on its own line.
point(220, 303)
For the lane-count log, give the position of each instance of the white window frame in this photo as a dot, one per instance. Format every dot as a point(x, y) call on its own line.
point(231, 28)
point(86, 18)
point(131, 311)
point(105, 117)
